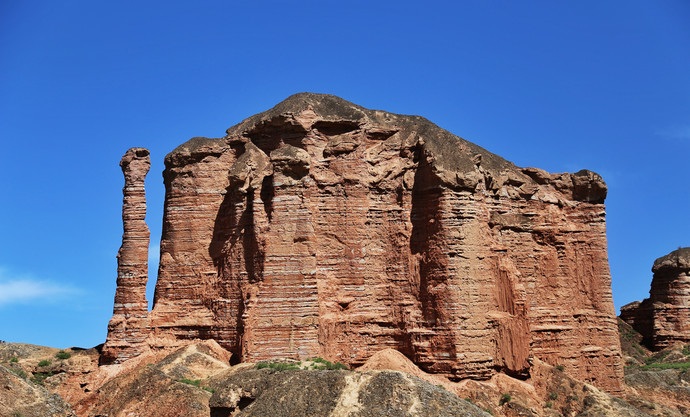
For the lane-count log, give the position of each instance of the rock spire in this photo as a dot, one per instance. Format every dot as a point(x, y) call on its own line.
point(128, 327)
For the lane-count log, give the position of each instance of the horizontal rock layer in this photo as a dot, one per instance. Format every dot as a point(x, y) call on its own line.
point(319, 228)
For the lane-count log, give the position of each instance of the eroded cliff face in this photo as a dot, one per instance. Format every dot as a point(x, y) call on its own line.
point(320, 228)
point(663, 319)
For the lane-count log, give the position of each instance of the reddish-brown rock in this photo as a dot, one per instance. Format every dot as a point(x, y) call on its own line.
point(664, 318)
point(128, 328)
point(320, 228)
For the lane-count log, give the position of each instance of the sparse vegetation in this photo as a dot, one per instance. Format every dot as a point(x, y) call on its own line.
point(63, 355)
point(40, 377)
point(19, 372)
point(560, 368)
point(657, 361)
point(657, 358)
point(44, 362)
point(196, 383)
point(553, 396)
point(279, 366)
point(14, 359)
point(323, 364)
point(548, 404)
point(662, 366)
point(505, 398)
point(318, 364)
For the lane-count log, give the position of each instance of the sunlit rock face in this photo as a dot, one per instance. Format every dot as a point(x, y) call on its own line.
point(663, 319)
point(320, 228)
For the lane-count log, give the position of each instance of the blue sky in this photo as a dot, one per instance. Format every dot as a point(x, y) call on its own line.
point(602, 85)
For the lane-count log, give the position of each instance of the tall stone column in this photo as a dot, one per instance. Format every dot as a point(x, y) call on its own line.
point(128, 328)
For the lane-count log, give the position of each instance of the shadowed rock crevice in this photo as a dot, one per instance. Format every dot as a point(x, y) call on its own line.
point(435, 344)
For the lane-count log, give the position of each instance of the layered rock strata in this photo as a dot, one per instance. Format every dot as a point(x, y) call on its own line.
point(320, 228)
point(128, 328)
point(663, 319)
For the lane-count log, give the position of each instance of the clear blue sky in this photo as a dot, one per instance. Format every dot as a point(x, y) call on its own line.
point(560, 85)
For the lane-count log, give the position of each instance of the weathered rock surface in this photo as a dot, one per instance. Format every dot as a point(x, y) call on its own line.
point(19, 397)
point(160, 386)
point(664, 318)
point(268, 393)
point(128, 327)
point(196, 380)
point(320, 228)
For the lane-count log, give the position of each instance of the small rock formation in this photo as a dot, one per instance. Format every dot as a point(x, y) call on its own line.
point(320, 228)
point(128, 328)
point(664, 318)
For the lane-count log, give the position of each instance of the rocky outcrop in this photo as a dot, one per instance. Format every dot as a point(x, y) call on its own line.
point(664, 318)
point(128, 327)
point(19, 397)
point(320, 228)
point(266, 393)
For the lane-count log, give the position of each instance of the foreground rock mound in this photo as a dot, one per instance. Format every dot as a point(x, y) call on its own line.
point(268, 393)
point(22, 398)
point(663, 319)
point(320, 228)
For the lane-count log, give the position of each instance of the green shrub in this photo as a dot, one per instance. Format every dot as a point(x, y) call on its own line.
point(560, 368)
point(40, 377)
point(548, 404)
point(553, 396)
point(278, 366)
point(661, 366)
point(63, 355)
point(44, 362)
point(505, 398)
point(323, 364)
point(195, 382)
point(14, 359)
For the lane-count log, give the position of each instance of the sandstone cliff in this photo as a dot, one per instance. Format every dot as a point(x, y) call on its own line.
point(320, 228)
point(664, 318)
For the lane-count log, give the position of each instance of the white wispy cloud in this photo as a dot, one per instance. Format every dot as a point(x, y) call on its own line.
point(21, 288)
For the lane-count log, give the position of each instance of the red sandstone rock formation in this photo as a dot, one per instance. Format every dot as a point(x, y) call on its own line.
point(128, 327)
point(320, 228)
point(664, 318)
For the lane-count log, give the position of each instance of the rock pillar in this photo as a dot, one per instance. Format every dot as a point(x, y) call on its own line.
point(128, 327)
point(663, 319)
